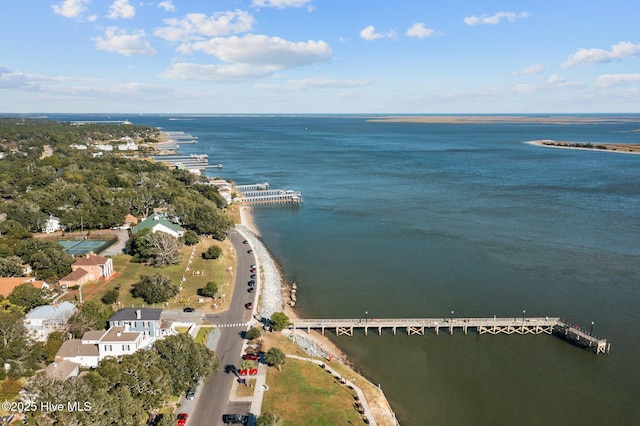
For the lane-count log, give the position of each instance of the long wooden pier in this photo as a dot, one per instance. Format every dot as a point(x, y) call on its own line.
point(417, 326)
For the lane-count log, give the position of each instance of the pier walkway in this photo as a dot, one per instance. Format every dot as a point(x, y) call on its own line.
point(259, 194)
point(417, 326)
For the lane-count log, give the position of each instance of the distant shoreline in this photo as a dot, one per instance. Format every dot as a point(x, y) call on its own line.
point(623, 148)
point(494, 119)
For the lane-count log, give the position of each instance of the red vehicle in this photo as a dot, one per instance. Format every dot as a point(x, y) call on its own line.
point(252, 357)
point(182, 419)
point(248, 305)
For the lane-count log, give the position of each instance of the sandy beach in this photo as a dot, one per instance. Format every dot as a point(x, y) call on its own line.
point(623, 148)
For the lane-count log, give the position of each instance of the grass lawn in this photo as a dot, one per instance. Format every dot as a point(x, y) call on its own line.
point(304, 393)
point(202, 334)
point(221, 271)
point(247, 390)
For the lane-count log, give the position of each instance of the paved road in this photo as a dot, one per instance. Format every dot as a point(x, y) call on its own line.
point(212, 399)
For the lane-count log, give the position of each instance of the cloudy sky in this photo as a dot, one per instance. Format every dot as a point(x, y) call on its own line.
point(319, 56)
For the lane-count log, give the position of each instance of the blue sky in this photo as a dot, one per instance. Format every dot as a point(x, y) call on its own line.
point(319, 56)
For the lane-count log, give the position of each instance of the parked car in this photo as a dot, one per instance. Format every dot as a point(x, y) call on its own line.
point(253, 277)
point(252, 357)
point(253, 266)
point(245, 242)
point(191, 394)
point(182, 419)
point(248, 305)
point(234, 419)
point(251, 282)
point(250, 251)
point(250, 289)
point(188, 309)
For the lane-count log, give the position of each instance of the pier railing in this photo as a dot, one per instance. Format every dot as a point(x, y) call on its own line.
point(417, 326)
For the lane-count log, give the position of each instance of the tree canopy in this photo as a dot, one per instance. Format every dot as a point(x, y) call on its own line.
point(156, 288)
point(94, 193)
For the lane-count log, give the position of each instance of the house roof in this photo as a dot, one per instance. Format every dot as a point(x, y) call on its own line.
point(63, 310)
point(74, 275)
point(118, 334)
point(131, 314)
point(74, 347)
point(7, 284)
point(154, 220)
point(61, 370)
point(90, 259)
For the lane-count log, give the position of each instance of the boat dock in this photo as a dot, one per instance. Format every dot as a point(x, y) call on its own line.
point(417, 326)
point(259, 194)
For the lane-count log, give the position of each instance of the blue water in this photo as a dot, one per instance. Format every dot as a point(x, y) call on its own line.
point(411, 220)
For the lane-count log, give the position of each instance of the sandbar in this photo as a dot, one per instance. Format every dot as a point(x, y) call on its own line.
point(621, 148)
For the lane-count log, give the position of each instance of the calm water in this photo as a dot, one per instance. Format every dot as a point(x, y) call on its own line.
point(411, 220)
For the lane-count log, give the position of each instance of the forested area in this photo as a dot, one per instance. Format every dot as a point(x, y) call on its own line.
point(88, 193)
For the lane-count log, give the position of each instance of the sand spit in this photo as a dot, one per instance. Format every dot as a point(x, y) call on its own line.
point(622, 148)
point(493, 119)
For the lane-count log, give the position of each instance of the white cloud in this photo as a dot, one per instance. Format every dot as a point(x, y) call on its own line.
point(70, 8)
point(261, 50)
point(213, 73)
point(495, 19)
point(610, 80)
point(531, 70)
point(198, 25)
point(299, 85)
point(167, 6)
point(280, 4)
point(622, 50)
point(370, 34)
point(121, 9)
point(119, 41)
point(419, 30)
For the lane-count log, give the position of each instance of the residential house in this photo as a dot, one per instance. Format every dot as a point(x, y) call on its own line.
point(145, 320)
point(89, 268)
point(156, 223)
point(51, 225)
point(98, 345)
point(43, 320)
point(62, 370)
point(7, 284)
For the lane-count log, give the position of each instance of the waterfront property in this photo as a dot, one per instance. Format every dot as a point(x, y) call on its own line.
point(417, 326)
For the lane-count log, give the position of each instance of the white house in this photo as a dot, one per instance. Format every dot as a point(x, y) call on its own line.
point(48, 318)
point(51, 225)
point(156, 223)
point(98, 345)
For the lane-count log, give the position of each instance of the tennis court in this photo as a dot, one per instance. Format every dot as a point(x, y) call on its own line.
point(75, 247)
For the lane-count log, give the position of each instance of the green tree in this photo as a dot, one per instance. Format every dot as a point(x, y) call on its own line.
point(91, 315)
point(275, 357)
point(11, 267)
point(139, 247)
point(156, 288)
point(254, 333)
point(209, 290)
point(279, 321)
point(27, 296)
point(14, 230)
point(110, 296)
point(13, 334)
point(212, 252)
point(54, 341)
point(190, 238)
point(188, 362)
point(47, 258)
